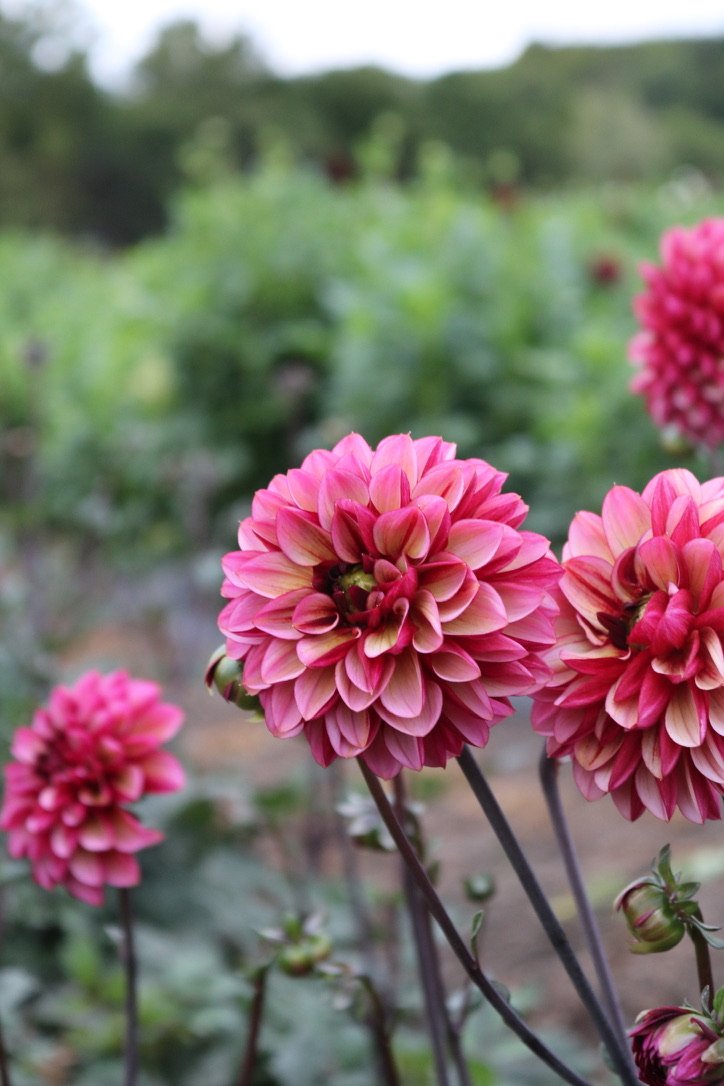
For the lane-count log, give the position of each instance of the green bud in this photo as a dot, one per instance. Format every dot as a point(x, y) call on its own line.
point(226, 675)
point(299, 959)
point(649, 916)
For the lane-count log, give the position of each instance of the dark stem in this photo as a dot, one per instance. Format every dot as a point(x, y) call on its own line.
point(509, 1016)
point(256, 1014)
point(4, 1067)
point(427, 964)
point(378, 1024)
point(549, 779)
point(703, 957)
point(618, 1054)
point(128, 956)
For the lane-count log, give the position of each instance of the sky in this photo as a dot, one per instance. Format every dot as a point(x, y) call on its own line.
point(406, 36)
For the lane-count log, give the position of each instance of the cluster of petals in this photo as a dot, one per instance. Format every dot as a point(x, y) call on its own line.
point(675, 1046)
point(385, 603)
point(637, 693)
point(90, 751)
point(679, 350)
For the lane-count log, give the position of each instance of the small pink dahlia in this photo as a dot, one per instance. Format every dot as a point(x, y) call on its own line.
point(384, 602)
point(675, 1046)
point(680, 350)
point(637, 693)
point(93, 749)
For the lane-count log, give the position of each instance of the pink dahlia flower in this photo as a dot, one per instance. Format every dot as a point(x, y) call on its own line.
point(637, 694)
point(385, 603)
point(673, 1046)
point(680, 350)
point(88, 753)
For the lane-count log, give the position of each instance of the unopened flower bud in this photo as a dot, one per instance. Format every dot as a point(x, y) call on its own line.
point(650, 918)
point(226, 675)
point(299, 959)
point(678, 1045)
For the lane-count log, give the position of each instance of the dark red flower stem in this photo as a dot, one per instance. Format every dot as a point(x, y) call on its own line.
point(437, 910)
point(703, 957)
point(383, 1044)
point(256, 1015)
point(427, 963)
point(618, 1054)
point(549, 780)
point(128, 958)
point(4, 1066)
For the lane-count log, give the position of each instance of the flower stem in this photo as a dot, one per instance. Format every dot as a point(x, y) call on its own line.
point(618, 1054)
point(703, 957)
point(256, 1014)
point(427, 964)
point(378, 1024)
point(549, 779)
point(436, 908)
point(4, 1067)
point(128, 956)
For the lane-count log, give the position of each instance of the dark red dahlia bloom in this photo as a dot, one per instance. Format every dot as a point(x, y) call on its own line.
point(675, 1046)
point(680, 350)
point(385, 602)
point(89, 753)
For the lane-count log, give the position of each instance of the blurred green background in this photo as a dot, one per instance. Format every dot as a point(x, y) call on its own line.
point(211, 272)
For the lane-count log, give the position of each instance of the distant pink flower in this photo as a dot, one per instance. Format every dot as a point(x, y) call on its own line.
point(680, 350)
point(88, 753)
point(384, 602)
point(637, 694)
point(675, 1046)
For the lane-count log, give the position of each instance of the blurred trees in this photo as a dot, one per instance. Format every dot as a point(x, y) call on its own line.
point(78, 159)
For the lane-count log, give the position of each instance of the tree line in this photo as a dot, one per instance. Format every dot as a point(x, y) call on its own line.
point(85, 161)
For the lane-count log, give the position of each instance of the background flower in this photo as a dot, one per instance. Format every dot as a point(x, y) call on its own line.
point(88, 753)
point(637, 694)
point(385, 603)
point(675, 1046)
point(680, 350)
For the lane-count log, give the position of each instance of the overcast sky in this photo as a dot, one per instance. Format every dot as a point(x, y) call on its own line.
point(407, 36)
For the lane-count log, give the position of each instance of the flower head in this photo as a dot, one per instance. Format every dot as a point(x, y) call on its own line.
point(385, 603)
point(88, 753)
point(637, 694)
point(676, 1046)
point(680, 349)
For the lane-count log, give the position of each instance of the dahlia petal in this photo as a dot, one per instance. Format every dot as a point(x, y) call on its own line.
point(353, 696)
point(162, 772)
point(453, 664)
point(275, 616)
point(352, 531)
point(627, 801)
point(682, 718)
point(389, 489)
point(660, 494)
point(87, 867)
point(129, 835)
point(27, 746)
point(626, 518)
point(486, 613)
point(658, 557)
point(443, 577)
point(281, 712)
point(625, 711)
point(626, 761)
point(386, 636)
point(337, 486)
point(425, 617)
point(682, 523)
point(654, 794)
point(399, 451)
point(273, 574)
point(437, 516)
point(653, 699)
point(357, 728)
point(280, 661)
point(586, 537)
point(709, 760)
point(63, 841)
point(454, 607)
point(422, 724)
point(379, 759)
point(120, 869)
point(402, 532)
point(315, 613)
point(586, 584)
point(716, 710)
point(659, 752)
point(354, 445)
point(445, 482)
point(326, 649)
point(407, 749)
point(322, 750)
point(304, 542)
point(474, 542)
point(704, 566)
point(303, 490)
point(404, 693)
point(314, 689)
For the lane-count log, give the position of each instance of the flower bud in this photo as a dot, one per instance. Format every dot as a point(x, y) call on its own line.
point(677, 1045)
point(299, 959)
point(649, 916)
point(226, 675)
